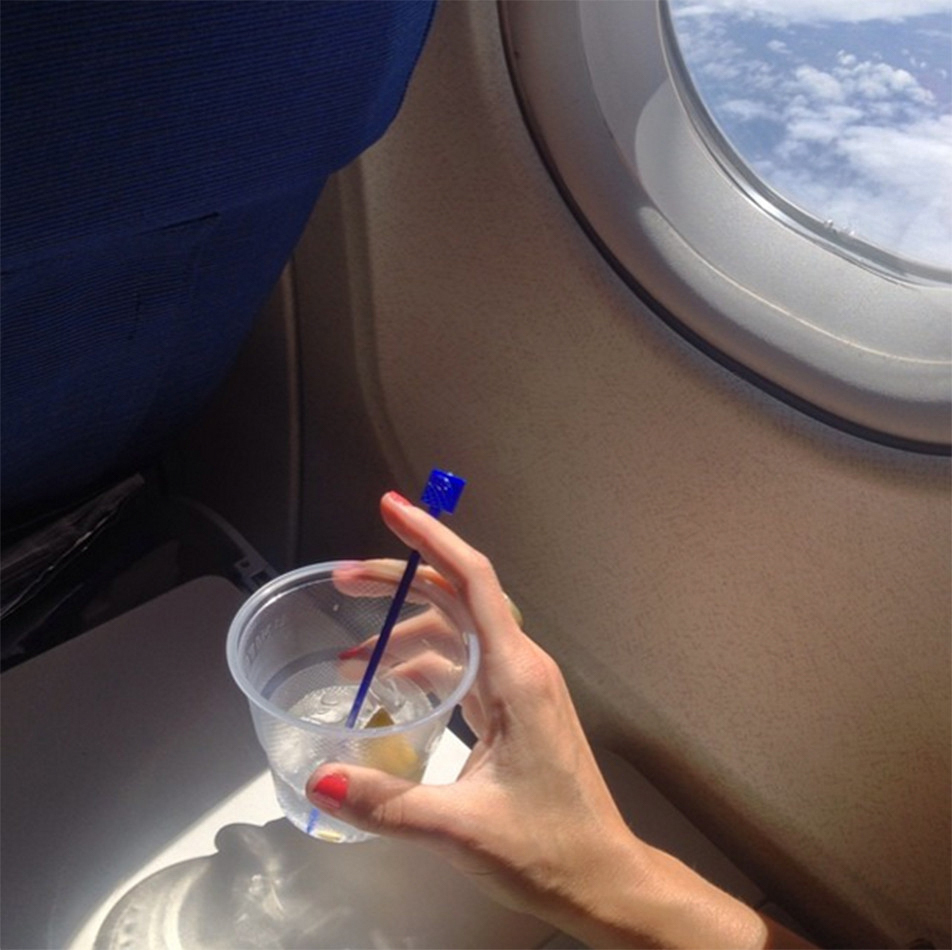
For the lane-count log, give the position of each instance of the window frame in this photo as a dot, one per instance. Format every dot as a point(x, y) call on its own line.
point(654, 189)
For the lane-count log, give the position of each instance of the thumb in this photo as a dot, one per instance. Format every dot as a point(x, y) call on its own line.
point(380, 803)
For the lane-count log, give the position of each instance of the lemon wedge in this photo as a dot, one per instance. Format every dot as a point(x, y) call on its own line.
point(380, 719)
point(392, 754)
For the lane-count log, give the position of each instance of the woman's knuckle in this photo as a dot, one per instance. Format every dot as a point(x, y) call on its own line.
point(477, 572)
point(541, 675)
point(387, 815)
point(480, 566)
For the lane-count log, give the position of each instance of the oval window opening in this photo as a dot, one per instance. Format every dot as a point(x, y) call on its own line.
point(771, 177)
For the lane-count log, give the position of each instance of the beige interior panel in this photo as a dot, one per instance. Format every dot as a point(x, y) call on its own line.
point(752, 607)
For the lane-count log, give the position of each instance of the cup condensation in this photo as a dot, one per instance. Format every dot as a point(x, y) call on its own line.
point(285, 649)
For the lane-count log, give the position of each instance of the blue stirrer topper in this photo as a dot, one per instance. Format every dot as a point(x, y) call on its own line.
point(442, 493)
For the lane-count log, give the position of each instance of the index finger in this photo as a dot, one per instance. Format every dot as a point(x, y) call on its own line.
point(469, 572)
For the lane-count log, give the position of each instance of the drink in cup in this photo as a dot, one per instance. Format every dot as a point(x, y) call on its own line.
point(298, 649)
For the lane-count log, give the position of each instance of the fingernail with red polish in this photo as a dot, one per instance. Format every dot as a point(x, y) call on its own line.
point(350, 654)
point(398, 499)
point(330, 789)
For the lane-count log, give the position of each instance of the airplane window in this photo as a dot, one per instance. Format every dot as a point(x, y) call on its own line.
point(803, 241)
point(841, 112)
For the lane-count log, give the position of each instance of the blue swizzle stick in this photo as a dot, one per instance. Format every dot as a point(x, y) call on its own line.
point(441, 494)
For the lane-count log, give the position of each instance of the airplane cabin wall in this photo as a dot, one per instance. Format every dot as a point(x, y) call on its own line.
point(752, 606)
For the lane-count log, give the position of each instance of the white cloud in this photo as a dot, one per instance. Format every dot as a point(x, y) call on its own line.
point(814, 11)
point(818, 84)
point(812, 129)
point(901, 205)
point(807, 123)
point(744, 110)
point(722, 71)
point(845, 129)
point(893, 187)
point(905, 158)
point(876, 80)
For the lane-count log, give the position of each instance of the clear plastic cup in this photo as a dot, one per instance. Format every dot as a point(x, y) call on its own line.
point(298, 648)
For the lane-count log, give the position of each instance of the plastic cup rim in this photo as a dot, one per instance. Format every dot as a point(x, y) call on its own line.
point(291, 580)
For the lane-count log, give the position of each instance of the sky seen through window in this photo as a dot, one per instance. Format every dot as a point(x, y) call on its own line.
point(844, 107)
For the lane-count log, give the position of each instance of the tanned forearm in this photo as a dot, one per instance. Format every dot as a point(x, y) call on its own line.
point(646, 898)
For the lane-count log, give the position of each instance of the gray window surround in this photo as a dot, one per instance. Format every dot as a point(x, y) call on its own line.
point(823, 322)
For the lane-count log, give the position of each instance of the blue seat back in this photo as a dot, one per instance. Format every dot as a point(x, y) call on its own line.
point(159, 161)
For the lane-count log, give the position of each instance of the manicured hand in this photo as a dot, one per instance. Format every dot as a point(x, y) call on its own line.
point(530, 817)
